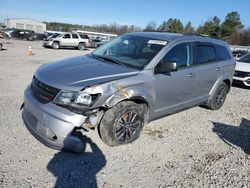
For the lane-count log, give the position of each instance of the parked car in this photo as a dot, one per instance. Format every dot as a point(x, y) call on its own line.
point(22, 34)
point(39, 36)
point(95, 43)
point(68, 40)
point(242, 71)
point(124, 84)
point(8, 31)
point(239, 53)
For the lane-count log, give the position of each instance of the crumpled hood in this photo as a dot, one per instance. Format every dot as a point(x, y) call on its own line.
point(79, 72)
point(241, 66)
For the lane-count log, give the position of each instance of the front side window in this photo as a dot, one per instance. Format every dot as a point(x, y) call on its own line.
point(66, 36)
point(133, 51)
point(245, 59)
point(205, 54)
point(181, 54)
point(84, 36)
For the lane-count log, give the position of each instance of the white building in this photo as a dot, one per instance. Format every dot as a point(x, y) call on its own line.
point(25, 23)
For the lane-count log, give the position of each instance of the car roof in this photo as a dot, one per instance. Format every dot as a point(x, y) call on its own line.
point(174, 36)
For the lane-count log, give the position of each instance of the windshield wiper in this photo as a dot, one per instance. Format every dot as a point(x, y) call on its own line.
point(107, 58)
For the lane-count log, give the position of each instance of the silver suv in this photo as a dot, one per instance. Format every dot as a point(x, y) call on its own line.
point(126, 83)
point(80, 41)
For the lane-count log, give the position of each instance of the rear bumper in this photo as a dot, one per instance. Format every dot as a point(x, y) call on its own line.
point(245, 80)
point(51, 125)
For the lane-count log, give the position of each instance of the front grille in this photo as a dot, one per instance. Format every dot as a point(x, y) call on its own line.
point(42, 92)
point(241, 74)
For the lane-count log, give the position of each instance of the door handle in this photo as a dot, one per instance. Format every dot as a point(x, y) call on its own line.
point(190, 75)
point(217, 69)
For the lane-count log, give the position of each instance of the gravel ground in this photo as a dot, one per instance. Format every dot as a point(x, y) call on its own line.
point(193, 148)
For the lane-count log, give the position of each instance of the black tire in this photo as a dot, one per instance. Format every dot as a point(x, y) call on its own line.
point(81, 46)
point(0, 47)
point(122, 124)
point(219, 97)
point(55, 45)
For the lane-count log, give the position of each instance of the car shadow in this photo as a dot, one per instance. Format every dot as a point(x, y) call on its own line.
point(235, 135)
point(77, 170)
point(242, 86)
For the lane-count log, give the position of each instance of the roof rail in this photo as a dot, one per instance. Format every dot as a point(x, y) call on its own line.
point(204, 35)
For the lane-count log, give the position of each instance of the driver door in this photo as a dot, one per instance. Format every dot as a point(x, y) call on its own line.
point(174, 90)
point(66, 40)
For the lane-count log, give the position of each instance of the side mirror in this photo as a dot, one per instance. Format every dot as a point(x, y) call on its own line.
point(166, 66)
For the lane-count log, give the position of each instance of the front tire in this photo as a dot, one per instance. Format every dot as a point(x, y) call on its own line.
point(55, 45)
point(122, 124)
point(218, 97)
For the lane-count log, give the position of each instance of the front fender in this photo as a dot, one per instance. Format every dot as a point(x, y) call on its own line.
point(131, 94)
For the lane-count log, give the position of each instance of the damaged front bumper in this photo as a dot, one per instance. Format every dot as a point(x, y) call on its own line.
point(55, 126)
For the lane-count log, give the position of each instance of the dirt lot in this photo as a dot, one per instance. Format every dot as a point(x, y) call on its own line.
point(196, 147)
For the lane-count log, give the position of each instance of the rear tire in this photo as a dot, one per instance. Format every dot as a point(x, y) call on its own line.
point(219, 97)
point(122, 124)
point(81, 46)
point(55, 45)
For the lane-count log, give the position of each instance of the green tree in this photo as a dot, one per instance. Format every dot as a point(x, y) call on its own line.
point(232, 24)
point(173, 25)
point(189, 29)
point(211, 27)
point(151, 26)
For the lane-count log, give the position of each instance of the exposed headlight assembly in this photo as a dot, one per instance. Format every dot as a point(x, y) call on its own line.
point(75, 100)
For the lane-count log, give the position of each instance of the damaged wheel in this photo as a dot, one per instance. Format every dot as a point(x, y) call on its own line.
point(122, 124)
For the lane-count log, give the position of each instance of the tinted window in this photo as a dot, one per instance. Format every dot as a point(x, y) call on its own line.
point(74, 36)
point(84, 36)
point(181, 54)
point(245, 59)
point(222, 53)
point(205, 54)
point(66, 36)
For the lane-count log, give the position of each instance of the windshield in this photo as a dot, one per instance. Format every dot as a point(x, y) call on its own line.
point(245, 59)
point(132, 51)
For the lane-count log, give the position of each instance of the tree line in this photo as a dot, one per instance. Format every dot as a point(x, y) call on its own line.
point(230, 29)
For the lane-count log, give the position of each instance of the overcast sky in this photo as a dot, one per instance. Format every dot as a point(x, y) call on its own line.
point(138, 12)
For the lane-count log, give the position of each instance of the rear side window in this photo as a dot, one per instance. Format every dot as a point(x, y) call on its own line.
point(222, 53)
point(74, 36)
point(205, 54)
point(84, 36)
point(66, 36)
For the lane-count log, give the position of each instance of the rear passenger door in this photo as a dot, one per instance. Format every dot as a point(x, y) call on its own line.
point(75, 40)
point(207, 68)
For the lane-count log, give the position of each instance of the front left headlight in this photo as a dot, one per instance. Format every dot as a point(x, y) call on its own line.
point(75, 100)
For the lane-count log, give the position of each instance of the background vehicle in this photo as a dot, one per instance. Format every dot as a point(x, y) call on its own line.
point(68, 40)
point(239, 53)
point(22, 34)
point(242, 71)
point(124, 84)
point(95, 43)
